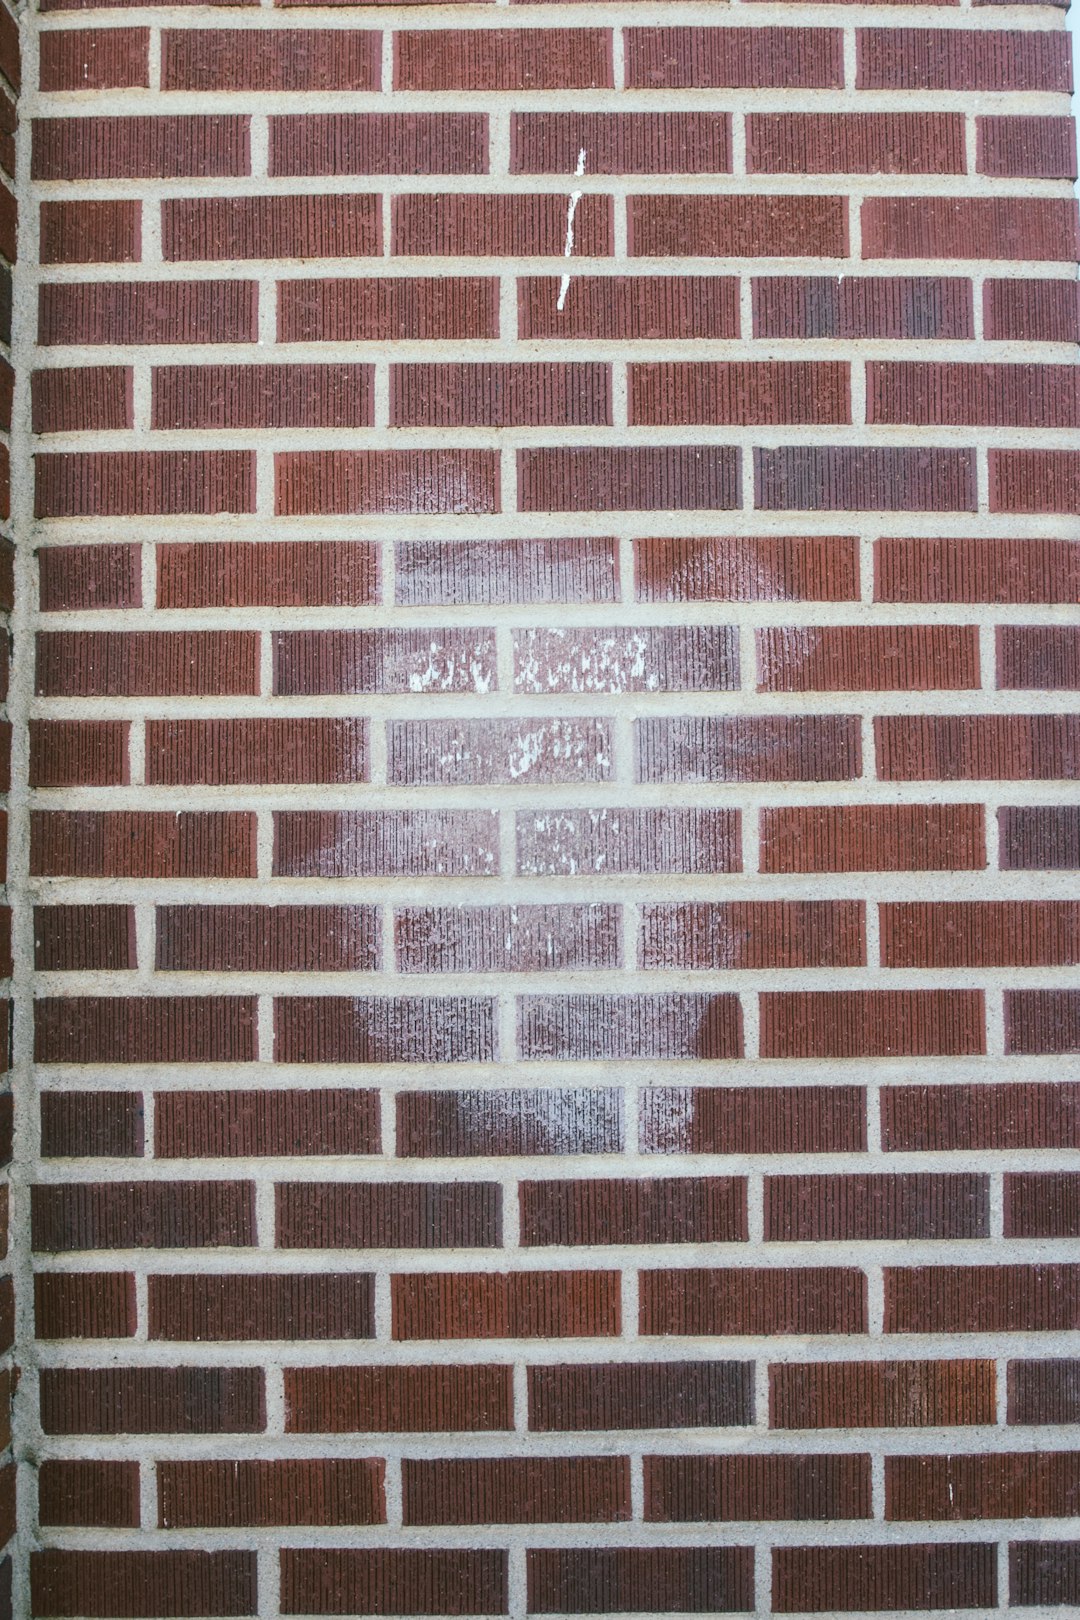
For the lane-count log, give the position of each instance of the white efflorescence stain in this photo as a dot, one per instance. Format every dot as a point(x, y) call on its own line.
point(575, 198)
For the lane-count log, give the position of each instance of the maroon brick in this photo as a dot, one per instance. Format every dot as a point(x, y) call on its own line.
point(142, 1214)
point(1007, 1485)
point(895, 307)
point(144, 483)
point(1042, 1021)
point(729, 935)
point(855, 143)
point(1044, 1572)
point(734, 58)
point(583, 1028)
point(147, 663)
point(630, 840)
point(1042, 1205)
point(146, 844)
point(676, 307)
point(629, 478)
point(872, 1208)
point(506, 939)
point(392, 1580)
point(491, 395)
point(93, 58)
point(641, 1395)
point(253, 1124)
point(963, 59)
point(337, 1491)
point(133, 1029)
point(846, 478)
point(1044, 1392)
point(1042, 837)
point(937, 1575)
point(967, 570)
point(257, 750)
point(980, 747)
point(266, 573)
point(503, 59)
point(158, 147)
point(516, 1490)
point(1038, 146)
point(673, 1209)
point(977, 1118)
point(1033, 311)
point(152, 1400)
point(737, 227)
point(852, 658)
point(957, 393)
point(379, 309)
point(660, 1580)
point(68, 753)
point(621, 143)
point(969, 227)
point(74, 939)
point(384, 1029)
point(759, 1488)
point(470, 1124)
point(300, 226)
point(366, 843)
point(225, 397)
point(211, 1309)
point(872, 1023)
point(1034, 480)
point(980, 933)
point(128, 1584)
point(347, 482)
point(73, 1492)
point(378, 143)
point(82, 399)
point(982, 1299)
point(1038, 657)
point(738, 392)
point(90, 232)
point(91, 1124)
point(481, 225)
point(274, 939)
point(269, 59)
point(772, 748)
point(881, 1394)
point(505, 1305)
point(84, 1305)
point(753, 1300)
point(115, 313)
point(752, 1119)
point(765, 568)
point(430, 572)
point(395, 1215)
point(434, 1399)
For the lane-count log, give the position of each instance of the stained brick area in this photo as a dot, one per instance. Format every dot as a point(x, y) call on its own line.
point(544, 837)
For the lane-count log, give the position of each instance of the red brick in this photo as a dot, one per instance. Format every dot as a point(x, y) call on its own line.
point(385, 843)
point(150, 148)
point(152, 1400)
point(144, 483)
point(134, 1029)
point(872, 1023)
point(84, 1305)
point(1042, 1206)
point(82, 399)
point(392, 1580)
point(90, 232)
point(968, 570)
point(143, 1214)
point(465, 752)
point(146, 663)
point(772, 748)
point(956, 393)
point(348, 482)
point(758, 1488)
point(79, 1493)
point(615, 1580)
point(673, 1209)
point(83, 938)
point(584, 1028)
point(211, 1309)
point(872, 1208)
point(739, 393)
point(765, 568)
point(266, 573)
point(491, 395)
point(10, 49)
point(977, 747)
point(503, 59)
point(516, 1490)
point(1033, 311)
point(301, 226)
point(565, 842)
point(254, 1124)
point(982, 1299)
point(121, 312)
point(641, 1395)
point(91, 1124)
point(855, 143)
point(669, 658)
point(1034, 480)
point(881, 1394)
point(1044, 1392)
point(621, 143)
point(629, 478)
point(845, 478)
point(840, 1580)
point(726, 935)
point(258, 750)
point(481, 225)
point(129, 1584)
point(976, 1118)
point(734, 58)
point(1043, 147)
point(506, 939)
point(378, 143)
point(753, 1300)
point(605, 307)
point(471, 1124)
point(466, 1398)
point(380, 309)
point(969, 228)
point(347, 1490)
point(310, 662)
point(1007, 1485)
point(226, 397)
point(896, 307)
point(980, 933)
point(395, 1215)
point(93, 58)
point(384, 1029)
point(1044, 1572)
point(142, 843)
point(963, 59)
point(69, 753)
point(266, 939)
point(505, 1305)
point(1042, 1021)
point(1038, 657)
point(752, 1119)
point(737, 227)
point(868, 658)
point(1039, 838)
point(269, 59)
point(430, 572)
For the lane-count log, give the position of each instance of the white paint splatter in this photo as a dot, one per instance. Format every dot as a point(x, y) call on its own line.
point(575, 198)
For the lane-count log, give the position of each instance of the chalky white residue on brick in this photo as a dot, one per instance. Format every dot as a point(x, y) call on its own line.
point(575, 198)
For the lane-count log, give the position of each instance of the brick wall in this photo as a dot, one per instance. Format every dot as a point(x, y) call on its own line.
point(544, 814)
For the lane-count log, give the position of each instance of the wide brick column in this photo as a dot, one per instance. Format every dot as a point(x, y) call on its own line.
point(544, 818)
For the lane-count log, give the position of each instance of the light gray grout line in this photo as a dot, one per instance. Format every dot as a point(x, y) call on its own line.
point(268, 1577)
point(875, 1141)
point(619, 393)
point(738, 142)
point(265, 1206)
point(751, 1020)
point(266, 664)
point(877, 1487)
point(866, 570)
point(265, 1028)
point(988, 658)
point(264, 845)
point(1001, 1386)
point(142, 1309)
point(755, 1207)
point(393, 1488)
point(153, 60)
point(145, 941)
point(517, 1600)
point(136, 752)
point(873, 934)
point(997, 1203)
point(857, 375)
point(259, 136)
point(618, 58)
point(508, 312)
point(386, 59)
point(995, 1022)
point(147, 1494)
point(499, 125)
point(141, 393)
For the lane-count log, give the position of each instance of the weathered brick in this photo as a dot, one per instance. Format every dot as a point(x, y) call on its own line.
point(901, 658)
point(630, 840)
point(497, 572)
point(384, 1029)
point(752, 1119)
point(774, 748)
point(471, 1124)
point(365, 843)
point(506, 939)
point(722, 936)
point(583, 1027)
point(466, 752)
point(756, 569)
point(346, 482)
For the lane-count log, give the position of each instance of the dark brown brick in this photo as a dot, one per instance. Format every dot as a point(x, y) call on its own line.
point(91, 1124)
point(1039, 837)
point(965, 570)
point(487, 394)
point(152, 1400)
point(398, 1400)
point(133, 1029)
point(392, 1580)
point(266, 573)
point(1042, 1021)
point(211, 1309)
point(641, 1395)
point(1044, 1572)
point(630, 478)
point(505, 1305)
point(1007, 1485)
point(759, 569)
point(1038, 657)
point(394, 1215)
point(378, 143)
point(1042, 1205)
point(830, 1580)
point(220, 752)
point(266, 939)
point(980, 933)
point(813, 1209)
point(142, 844)
point(629, 307)
point(129, 1584)
point(881, 1394)
point(84, 1305)
point(90, 231)
point(74, 753)
point(895, 307)
point(269, 59)
point(330, 1491)
point(753, 1300)
point(977, 747)
point(144, 483)
point(1044, 1392)
point(76, 1493)
point(973, 1118)
point(659, 1580)
point(674, 1209)
point(872, 837)
point(982, 1299)
point(143, 1214)
point(114, 313)
point(727, 935)
point(322, 1122)
point(516, 1490)
point(75, 399)
point(83, 938)
point(872, 1023)
point(694, 1489)
point(752, 1119)
point(227, 397)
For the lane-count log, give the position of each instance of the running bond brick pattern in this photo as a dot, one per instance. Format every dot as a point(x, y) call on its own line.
point(545, 809)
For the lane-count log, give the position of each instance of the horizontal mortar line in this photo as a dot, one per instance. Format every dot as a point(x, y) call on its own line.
point(1018, 16)
point(558, 351)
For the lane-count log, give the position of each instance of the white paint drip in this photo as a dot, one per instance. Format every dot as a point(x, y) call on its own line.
point(575, 198)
